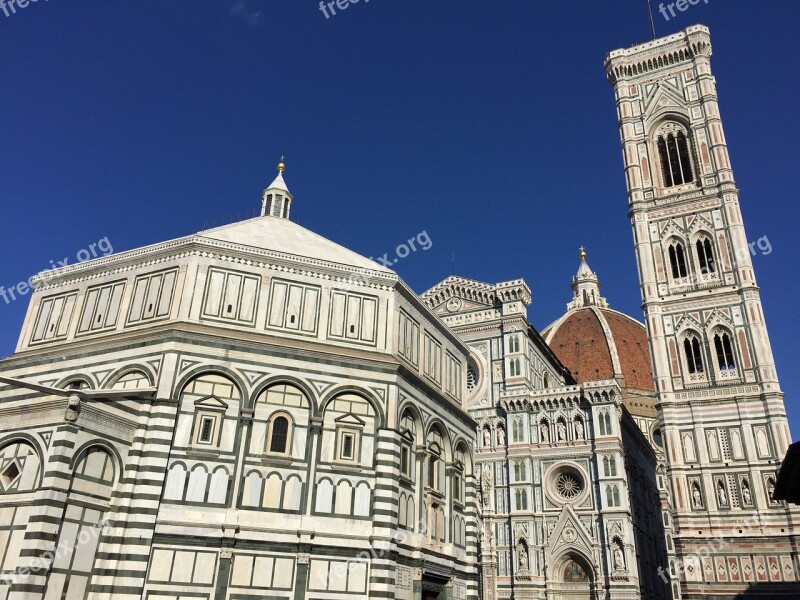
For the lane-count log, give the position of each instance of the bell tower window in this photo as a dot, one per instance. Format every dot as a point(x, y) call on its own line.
point(677, 260)
point(673, 152)
point(705, 256)
point(724, 349)
point(694, 356)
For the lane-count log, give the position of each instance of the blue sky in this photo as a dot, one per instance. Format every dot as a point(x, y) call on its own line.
point(488, 125)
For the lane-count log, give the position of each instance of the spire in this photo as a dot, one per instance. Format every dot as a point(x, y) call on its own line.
point(277, 200)
point(585, 286)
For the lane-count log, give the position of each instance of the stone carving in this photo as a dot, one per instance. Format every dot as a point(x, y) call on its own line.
point(579, 429)
point(747, 497)
point(697, 499)
point(544, 434)
point(619, 559)
point(487, 438)
point(501, 436)
point(721, 495)
point(522, 556)
point(561, 430)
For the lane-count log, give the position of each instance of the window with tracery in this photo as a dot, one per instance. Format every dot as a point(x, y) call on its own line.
point(674, 155)
point(694, 355)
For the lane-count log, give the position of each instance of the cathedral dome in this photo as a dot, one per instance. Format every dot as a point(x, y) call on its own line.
point(595, 342)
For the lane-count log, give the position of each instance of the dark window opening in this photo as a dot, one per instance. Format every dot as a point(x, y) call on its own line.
point(677, 261)
point(280, 435)
point(676, 166)
point(206, 430)
point(705, 256)
point(724, 348)
point(694, 359)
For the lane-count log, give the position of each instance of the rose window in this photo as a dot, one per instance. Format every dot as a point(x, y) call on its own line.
point(569, 485)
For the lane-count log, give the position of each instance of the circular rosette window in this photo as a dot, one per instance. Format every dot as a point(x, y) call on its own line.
point(569, 485)
point(566, 484)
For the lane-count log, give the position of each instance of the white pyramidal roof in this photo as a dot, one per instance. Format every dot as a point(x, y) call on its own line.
point(281, 235)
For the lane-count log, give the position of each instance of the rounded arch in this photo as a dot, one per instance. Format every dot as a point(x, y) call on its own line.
point(283, 379)
point(84, 452)
point(416, 414)
point(71, 380)
point(108, 447)
point(460, 444)
point(339, 390)
point(21, 462)
point(436, 423)
point(192, 374)
point(113, 378)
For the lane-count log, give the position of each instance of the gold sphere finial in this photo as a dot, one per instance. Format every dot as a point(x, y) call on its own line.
point(582, 253)
point(282, 165)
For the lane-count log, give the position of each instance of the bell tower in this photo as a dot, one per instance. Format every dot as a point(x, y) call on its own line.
point(722, 412)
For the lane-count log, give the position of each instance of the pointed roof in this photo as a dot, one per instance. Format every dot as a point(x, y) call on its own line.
point(283, 236)
point(279, 184)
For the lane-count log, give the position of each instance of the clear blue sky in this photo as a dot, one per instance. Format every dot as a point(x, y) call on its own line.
point(488, 125)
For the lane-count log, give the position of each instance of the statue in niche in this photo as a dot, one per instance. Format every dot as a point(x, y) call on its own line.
point(487, 438)
point(501, 437)
point(619, 559)
point(746, 495)
point(544, 433)
point(486, 485)
point(522, 556)
point(579, 431)
point(697, 499)
point(561, 430)
point(723, 497)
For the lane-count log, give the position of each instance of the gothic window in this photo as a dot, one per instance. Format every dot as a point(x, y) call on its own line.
point(516, 430)
point(705, 256)
point(520, 472)
point(612, 495)
point(605, 424)
point(677, 260)
point(673, 152)
point(521, 497)
point(724, 351)
point(610, 466)
point(694, 356)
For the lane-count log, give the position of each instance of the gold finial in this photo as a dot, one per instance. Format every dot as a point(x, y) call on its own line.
point(282, 165)
point(582, 253)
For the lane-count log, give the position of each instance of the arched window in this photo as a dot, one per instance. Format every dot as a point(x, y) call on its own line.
point(520, 472)
point(408, 429)
point(20, 468)
point(694, 356)
point(705, 256)
point(677, 260)
point(673, 152)
point(516, 430)
point(435, 460)
point(724, 349)
point(132, 380)
point(279, 435)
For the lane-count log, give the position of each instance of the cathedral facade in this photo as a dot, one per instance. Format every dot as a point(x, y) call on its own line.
point(255, 412)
